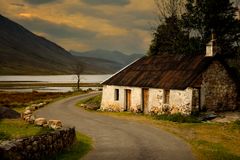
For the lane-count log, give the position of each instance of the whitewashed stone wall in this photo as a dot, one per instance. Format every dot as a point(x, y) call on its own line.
point(110, 104)
point(179, 101)
point(155, 105)
point(136, 99)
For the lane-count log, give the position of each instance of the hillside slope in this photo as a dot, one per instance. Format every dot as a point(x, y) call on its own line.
point(22, 52)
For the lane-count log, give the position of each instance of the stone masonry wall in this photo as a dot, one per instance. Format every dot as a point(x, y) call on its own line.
point(180, 101)
point(37, 147)
point(110, 104)
point(219, 91)
point(196, 100)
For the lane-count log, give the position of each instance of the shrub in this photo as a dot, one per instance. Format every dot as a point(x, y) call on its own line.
point(93, 100)
point(236, 124)
point(4, 136)
point(177, 118)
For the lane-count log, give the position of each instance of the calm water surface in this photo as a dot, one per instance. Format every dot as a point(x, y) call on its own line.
point(55, 78)
point(49, 79)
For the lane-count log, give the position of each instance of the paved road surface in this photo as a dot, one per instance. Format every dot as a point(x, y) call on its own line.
point(117, 139)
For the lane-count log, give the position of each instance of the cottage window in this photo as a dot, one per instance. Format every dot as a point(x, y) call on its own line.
point(166, 96)
point(116, 95)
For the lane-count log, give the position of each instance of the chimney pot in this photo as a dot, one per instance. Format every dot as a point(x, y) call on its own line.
point(211, 47)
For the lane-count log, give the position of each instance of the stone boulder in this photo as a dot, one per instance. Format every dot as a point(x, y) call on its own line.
point(27, 112)
point(40, 121)
point(37, 106)
point(30, 108)
point(93, 107)
point(31, 119)
point(6, 112)
point(55, 124)
point(83, 105)
point(27, 115)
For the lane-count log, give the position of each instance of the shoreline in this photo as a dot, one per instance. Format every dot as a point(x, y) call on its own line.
point(44, 84)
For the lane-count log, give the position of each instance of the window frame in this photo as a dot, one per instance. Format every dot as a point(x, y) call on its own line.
point(166, 96)
point(116, 95)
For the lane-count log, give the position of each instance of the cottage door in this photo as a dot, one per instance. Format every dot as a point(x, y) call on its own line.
point(128, 99)
point(145, 97)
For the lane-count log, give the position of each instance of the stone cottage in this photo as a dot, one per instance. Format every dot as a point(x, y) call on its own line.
point(167, 84)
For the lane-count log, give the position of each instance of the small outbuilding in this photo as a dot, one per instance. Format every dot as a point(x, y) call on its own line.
point(168, 84)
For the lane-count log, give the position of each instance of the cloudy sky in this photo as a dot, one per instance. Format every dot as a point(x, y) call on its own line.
point(83, 25)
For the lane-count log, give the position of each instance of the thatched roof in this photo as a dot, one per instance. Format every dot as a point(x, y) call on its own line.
point(163, 71)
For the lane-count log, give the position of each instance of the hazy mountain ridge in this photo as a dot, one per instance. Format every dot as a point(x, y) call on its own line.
point(116, 56)
point(103, 66)
point(22, 52)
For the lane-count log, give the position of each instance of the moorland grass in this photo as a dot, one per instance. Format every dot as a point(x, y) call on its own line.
point(177, 118)
point(16, 128)
point(96, 100)
point(18, 101)
point(80, 148)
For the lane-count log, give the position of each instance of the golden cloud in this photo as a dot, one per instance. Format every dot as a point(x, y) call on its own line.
point(26, 15)
point(124, 22)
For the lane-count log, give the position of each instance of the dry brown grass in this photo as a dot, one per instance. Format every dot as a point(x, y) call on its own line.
point(18, 101)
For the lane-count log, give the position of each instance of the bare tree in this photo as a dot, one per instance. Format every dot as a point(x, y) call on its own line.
point(77, 71)
point(165, 9)
point(168, 8)
point(237, 3)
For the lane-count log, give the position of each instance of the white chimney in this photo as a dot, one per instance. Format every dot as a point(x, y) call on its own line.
point(238, 14)
point(211, 48)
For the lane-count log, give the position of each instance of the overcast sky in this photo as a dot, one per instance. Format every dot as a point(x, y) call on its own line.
point(83, 25)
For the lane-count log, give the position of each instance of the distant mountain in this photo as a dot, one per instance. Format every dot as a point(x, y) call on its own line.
point(115, 56)
point(98, 66)
point(22, 52)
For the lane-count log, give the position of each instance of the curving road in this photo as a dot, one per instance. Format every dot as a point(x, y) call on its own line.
point(117, 139)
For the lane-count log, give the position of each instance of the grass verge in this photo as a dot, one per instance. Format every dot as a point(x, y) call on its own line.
point(81, 147)
point(17, 128)
point(96, 100)
point(177, 118)
point(90, 104)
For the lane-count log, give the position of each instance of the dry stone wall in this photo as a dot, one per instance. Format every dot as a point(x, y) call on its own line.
point(219, 91)
point(37, 147)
